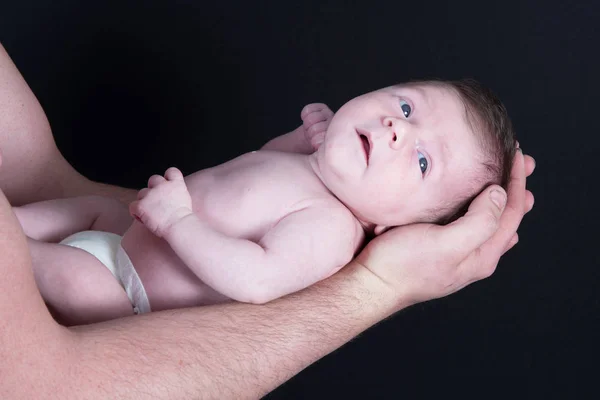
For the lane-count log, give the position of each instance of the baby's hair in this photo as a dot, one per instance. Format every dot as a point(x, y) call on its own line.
point(489, 121)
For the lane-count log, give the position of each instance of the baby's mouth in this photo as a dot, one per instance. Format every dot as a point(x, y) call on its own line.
point(366, 146)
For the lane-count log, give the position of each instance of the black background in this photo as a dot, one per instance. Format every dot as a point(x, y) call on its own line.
point(131, 88)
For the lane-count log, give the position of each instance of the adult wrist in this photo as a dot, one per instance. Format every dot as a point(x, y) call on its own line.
point(379, 298)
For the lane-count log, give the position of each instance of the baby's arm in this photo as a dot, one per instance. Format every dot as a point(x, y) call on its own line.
point(303, 248)
point(307, 138)
point(54, 220)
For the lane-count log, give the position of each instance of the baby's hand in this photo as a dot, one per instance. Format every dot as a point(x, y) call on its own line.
point(315, 120)
point(163, 203)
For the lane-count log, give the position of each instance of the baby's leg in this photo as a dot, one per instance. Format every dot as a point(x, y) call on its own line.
point(76, 285)
point(54, 220)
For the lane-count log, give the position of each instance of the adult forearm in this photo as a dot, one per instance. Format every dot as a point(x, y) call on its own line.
point(225, 351)
point(33, 169)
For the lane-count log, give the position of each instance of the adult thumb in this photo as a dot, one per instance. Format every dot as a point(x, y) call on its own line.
point(479, 224)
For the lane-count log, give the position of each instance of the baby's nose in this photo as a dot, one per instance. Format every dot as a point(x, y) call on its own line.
point(397, 130)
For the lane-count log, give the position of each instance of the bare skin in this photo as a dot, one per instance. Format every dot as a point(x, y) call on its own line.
point(224, 232)
point(278, 214)
point(213, 351)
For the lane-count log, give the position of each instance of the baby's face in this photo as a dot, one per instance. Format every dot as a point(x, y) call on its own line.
point(392, 154)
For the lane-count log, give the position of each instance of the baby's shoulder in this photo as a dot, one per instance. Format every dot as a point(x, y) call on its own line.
point(330, 215)
point(336, 228)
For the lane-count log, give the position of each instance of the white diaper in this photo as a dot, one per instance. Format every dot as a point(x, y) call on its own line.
point(106, 247)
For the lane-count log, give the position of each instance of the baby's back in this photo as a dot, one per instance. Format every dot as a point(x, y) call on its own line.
point(242, 198)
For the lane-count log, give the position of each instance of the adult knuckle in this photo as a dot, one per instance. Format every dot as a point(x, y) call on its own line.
point(490, 221)
point(487, 270)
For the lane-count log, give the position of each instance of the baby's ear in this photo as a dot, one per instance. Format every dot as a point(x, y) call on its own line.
point(379, 229)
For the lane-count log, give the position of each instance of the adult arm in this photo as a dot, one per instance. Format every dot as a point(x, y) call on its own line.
point(33, 167)
point(224, 351)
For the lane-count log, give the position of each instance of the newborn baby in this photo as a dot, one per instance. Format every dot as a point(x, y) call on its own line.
point(272, 222)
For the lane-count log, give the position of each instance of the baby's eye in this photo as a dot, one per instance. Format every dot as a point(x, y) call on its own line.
point(406, 109)
point(423, 163)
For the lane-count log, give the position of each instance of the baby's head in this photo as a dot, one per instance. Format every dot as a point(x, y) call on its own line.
point(416, 152)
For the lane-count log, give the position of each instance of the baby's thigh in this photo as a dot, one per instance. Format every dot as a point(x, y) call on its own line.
point(77, 286)
point(113, 216)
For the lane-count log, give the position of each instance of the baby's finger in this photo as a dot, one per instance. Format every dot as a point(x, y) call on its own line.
point(134, 209)
point(310, 108)
point(314, 118)
point(173, 174)
point(317, 128)
point(327, 112)
point(142, 193)
point(155, 180)
point(317, 140)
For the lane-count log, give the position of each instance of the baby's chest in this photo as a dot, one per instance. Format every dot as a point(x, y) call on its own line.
point(248, 202)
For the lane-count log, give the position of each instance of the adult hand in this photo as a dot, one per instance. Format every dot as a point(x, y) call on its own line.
point(440, 260)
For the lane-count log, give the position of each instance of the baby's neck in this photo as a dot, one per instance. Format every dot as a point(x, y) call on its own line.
point(368, 227)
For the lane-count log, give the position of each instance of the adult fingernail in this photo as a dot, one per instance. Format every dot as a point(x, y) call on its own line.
point(517, 143)
point(498, 198)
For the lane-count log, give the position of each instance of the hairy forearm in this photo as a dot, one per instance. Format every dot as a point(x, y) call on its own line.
point(202, 249)
point(225, 351)
point(292, 142)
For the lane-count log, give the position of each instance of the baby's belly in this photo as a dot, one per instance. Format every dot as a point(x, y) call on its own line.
point(168, 282)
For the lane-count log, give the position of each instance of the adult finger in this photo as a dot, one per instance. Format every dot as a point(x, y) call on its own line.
point(515, 206)
point(478, 225)
point(529, 201)
point(513, 241)
point(529, 164)
point(483, 262)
